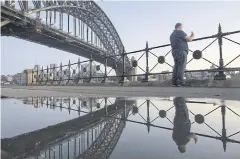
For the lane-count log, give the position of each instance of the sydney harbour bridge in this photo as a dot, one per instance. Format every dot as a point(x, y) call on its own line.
point(78, 27)
point(82, 28)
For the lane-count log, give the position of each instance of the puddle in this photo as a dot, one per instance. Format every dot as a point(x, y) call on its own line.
point(116, 128)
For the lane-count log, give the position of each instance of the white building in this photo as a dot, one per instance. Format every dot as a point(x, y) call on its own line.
point(20, 78)
point(85, 69)
point(197, 75)
point(85, 73)
point(66, 74)
point(53, 66)
point(164, 77)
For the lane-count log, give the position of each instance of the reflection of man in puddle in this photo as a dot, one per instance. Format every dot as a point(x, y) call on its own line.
point(182, 125)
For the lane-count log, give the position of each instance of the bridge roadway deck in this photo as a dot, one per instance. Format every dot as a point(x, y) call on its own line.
point(118, 91)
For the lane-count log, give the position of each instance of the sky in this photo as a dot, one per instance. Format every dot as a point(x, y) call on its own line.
point(138, 22)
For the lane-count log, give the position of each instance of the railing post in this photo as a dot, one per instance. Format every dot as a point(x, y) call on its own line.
point(220, 75)
point(147, 67)
point(91, 104)
point(87, 33)
point(47, 75)
point(54, 73)
point(69, 105)
point(125, 110)
point(90, 71)
point(105, 68)
point(42, 75)
point(79, 107)
point(224, 132)
point(105, 105)
point(79, 68)
point(123, 68)
point(148, 116)
point(37, 77)
point(69, 71)
point(60, 74)
point(32, 76)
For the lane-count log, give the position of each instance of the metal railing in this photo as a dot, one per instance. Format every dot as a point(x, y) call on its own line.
point(79, 71)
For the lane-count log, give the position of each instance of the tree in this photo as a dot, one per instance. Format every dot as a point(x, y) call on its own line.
point(4, 78)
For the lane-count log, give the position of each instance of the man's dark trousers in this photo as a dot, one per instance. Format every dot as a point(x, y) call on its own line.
point(180, 62)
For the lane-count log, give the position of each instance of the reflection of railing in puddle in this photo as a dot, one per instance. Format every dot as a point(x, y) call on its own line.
point(80, 105)
point(181, 123)
point(179, 102)
point(98, 140)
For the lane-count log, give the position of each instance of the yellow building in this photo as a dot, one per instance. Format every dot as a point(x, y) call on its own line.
point(30, 76)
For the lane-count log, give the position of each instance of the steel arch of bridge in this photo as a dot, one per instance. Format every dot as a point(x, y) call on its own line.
point(87, 12)
point(107, 138)
point(90, 13)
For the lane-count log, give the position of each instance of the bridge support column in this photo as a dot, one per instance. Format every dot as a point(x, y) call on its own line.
point(23, 5)
point(61, 21)
point(74, 26)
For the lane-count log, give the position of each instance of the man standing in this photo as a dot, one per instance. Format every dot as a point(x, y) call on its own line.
point(179, 46)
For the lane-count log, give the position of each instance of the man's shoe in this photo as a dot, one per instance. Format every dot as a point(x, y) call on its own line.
point(175, 85)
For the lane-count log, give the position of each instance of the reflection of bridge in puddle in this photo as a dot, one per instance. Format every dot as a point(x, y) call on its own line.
point(92, 135)
point(95, 134)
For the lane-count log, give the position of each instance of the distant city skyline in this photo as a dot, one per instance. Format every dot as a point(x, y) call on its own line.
point(136, 23)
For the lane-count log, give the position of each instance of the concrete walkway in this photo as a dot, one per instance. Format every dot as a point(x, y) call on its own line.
point(101, 91)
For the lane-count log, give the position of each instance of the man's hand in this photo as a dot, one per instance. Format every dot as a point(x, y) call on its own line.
point(192, 35)
point(190, 38)
point(194, 136)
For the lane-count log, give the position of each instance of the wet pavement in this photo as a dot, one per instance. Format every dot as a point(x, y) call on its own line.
point(117, 127)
